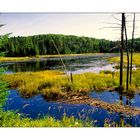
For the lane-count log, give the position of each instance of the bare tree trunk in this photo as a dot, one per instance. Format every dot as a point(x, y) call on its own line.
point(131, 49)
point(121, 51)
point(127, 51)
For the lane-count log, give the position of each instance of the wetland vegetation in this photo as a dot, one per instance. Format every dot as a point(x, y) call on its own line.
point(55, 80)
point(56, 86)
point(136, 58)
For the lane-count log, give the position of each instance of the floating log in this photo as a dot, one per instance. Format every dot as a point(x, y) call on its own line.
point(127, 110)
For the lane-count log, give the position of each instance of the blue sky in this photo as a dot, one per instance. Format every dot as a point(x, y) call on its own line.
point(81, 24)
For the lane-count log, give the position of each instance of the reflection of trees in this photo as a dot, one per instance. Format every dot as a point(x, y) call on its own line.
point(33, 65)
point(127, 102)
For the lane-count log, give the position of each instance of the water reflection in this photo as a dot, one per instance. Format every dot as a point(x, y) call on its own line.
point(37, 107)
point(123, 98)
point(76, 64)
point(128, 122)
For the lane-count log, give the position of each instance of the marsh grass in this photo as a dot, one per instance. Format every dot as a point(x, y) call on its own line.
point(12, 119)
point(121, 123)
point(8, 59)
point(32, 82)
point(15, 119)
point(37, 57)
point(136, 59)
point(55, 83)
point(135, 87)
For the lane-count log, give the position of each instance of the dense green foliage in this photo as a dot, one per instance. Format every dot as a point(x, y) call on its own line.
point(3, 42)
point(3, 89)
point(66, 44)
point(136, 44)
point(46, 44)
point(3, 85)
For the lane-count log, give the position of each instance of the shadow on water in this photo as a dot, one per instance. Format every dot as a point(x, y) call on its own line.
point(37, 107)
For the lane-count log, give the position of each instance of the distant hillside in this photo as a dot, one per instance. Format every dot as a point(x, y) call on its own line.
point(65, 44)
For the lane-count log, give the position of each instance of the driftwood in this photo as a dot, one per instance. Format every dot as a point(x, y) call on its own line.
point(127, 110)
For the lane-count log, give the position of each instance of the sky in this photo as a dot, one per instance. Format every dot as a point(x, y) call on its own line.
point(95, 25)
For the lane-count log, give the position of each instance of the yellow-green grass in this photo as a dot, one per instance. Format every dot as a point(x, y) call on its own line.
point(11, 119)
point(15, 59)
point(29, 83)
point(51, 83)
point(55, 83)
point(63, 55)
point(136, 59)
point(8, 59)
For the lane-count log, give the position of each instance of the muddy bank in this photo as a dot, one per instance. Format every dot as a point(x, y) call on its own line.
point(84, 99)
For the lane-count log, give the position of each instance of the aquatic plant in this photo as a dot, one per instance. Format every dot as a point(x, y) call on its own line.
point(12, 119)
point(121, 123)
point(15, 119)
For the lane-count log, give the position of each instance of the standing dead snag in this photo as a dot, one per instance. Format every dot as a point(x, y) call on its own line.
point(71, 77)
point(131, 49)
point(127, 52)
point(121, 51)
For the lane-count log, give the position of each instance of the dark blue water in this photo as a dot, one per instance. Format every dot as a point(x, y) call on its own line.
point(38, 107)
point(114, 97)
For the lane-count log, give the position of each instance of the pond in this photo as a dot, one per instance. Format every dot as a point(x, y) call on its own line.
point(75, 64)
point(37, 107)
point(115, 97)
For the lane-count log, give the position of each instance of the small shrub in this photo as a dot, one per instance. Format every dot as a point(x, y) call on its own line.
point(68, 87)
point(53, 93)
point(47, 84)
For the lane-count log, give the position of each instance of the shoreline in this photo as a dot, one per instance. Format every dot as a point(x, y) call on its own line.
point(31, 58)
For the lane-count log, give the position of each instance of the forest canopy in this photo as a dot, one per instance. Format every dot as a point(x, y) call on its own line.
point(66, 44)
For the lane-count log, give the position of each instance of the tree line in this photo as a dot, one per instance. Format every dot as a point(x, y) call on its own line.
point(66, 44)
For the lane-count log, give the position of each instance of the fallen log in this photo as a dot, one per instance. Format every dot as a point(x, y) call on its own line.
point(127, 110)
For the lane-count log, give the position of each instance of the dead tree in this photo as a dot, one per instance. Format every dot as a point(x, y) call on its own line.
point(121, 51)
point(127, 52)
point(131, 49)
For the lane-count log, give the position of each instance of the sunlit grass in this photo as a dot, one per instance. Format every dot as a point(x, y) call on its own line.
point(5, 59)
point(136, 59)
point(135, 86)
point(11, 119)
point(8, 59)
point(14, 119)
point(56, 83)
point(30, 83)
